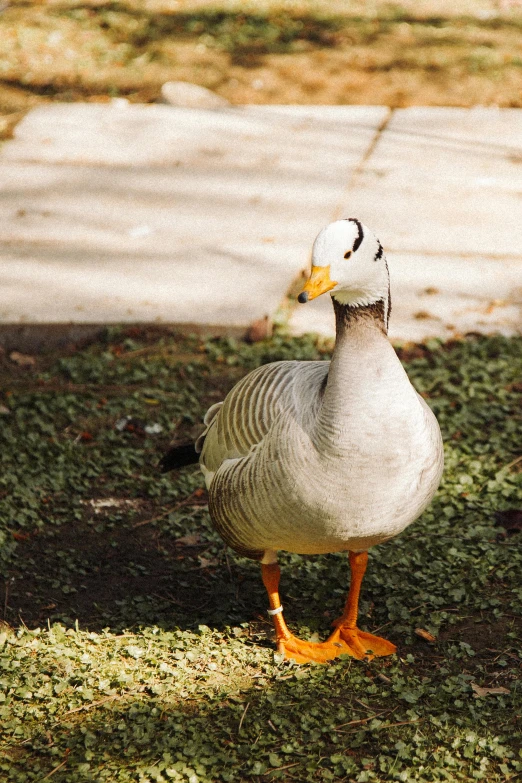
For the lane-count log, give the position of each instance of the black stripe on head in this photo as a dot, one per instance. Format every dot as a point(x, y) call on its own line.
point(379, 252)
point(360, 234)
point(389, 294)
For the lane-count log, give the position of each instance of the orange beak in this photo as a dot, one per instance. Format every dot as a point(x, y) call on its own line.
point(318, 283)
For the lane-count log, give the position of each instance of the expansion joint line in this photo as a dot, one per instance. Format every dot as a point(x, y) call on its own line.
point(359, 168)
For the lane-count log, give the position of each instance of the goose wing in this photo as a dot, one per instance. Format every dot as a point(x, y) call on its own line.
point(282, 390)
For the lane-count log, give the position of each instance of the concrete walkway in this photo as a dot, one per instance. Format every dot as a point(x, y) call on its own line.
point(126, 213)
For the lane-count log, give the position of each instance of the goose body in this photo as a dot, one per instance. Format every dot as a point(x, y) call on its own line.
point(317, 457)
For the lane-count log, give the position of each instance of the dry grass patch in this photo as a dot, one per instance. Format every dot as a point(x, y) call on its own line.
point(328, 52)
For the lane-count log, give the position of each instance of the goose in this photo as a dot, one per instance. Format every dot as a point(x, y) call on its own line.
point(313, 457)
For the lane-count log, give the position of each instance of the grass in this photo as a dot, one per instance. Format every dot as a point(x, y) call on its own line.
point(398, 54)
point(136, 648)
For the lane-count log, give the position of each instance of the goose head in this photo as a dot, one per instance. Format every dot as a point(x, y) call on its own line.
point(348, 261)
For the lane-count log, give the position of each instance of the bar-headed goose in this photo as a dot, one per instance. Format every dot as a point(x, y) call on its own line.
point(315, 457)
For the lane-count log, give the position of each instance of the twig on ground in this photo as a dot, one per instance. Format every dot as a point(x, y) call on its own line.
point(243, 717)
point(278, 769)
point(366, 706)
point(184, 502)
point(361, 720)
point(54, 770)
point(402, 723)
point(512, 464)
point(93, 704)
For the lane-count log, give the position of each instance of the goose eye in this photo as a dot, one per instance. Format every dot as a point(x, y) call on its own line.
point(348, 254)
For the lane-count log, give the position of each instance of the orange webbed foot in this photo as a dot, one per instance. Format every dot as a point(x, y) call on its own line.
point(346, 639)
point(343, 641)
point(302, 651)
point(365, 645)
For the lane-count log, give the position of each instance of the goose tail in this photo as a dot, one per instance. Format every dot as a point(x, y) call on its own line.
point(179, 457)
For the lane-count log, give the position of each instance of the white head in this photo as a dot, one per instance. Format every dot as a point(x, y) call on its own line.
point(348, 261)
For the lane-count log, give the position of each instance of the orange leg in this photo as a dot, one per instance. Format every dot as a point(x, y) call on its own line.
point(346, 639)
point(361, 644)
point(288, 644)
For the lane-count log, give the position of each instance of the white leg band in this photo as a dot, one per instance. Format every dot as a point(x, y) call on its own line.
point(272, 612)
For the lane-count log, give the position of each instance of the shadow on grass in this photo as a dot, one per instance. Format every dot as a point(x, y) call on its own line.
point(116, 575)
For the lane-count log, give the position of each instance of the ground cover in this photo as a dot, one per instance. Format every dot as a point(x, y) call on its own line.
point(136, 648)
point(331, 52)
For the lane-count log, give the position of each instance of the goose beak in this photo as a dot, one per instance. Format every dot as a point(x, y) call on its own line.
point(318, 283)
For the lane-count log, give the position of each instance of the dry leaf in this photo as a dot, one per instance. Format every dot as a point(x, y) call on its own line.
point(479, 692)
point(495, 303)
point(426, 635)
point(208, 562)
point(22, 359)
point(189, 540)
point(259, 330)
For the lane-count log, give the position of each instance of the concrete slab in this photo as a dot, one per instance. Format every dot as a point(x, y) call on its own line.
point(442, 189)
point(229, 286)
point(434, 296)
point(124, 134)
point(140, 213)
point(125, 213)
point(445, 181)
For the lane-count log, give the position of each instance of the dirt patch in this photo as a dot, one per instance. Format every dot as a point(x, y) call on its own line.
point(111, 565)
point(486, 637)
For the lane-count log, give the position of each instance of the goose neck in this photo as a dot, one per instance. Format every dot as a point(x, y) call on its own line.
point(363, 366)
point(350, 318)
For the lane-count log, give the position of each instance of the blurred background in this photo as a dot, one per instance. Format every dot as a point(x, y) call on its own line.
point(417, 52)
